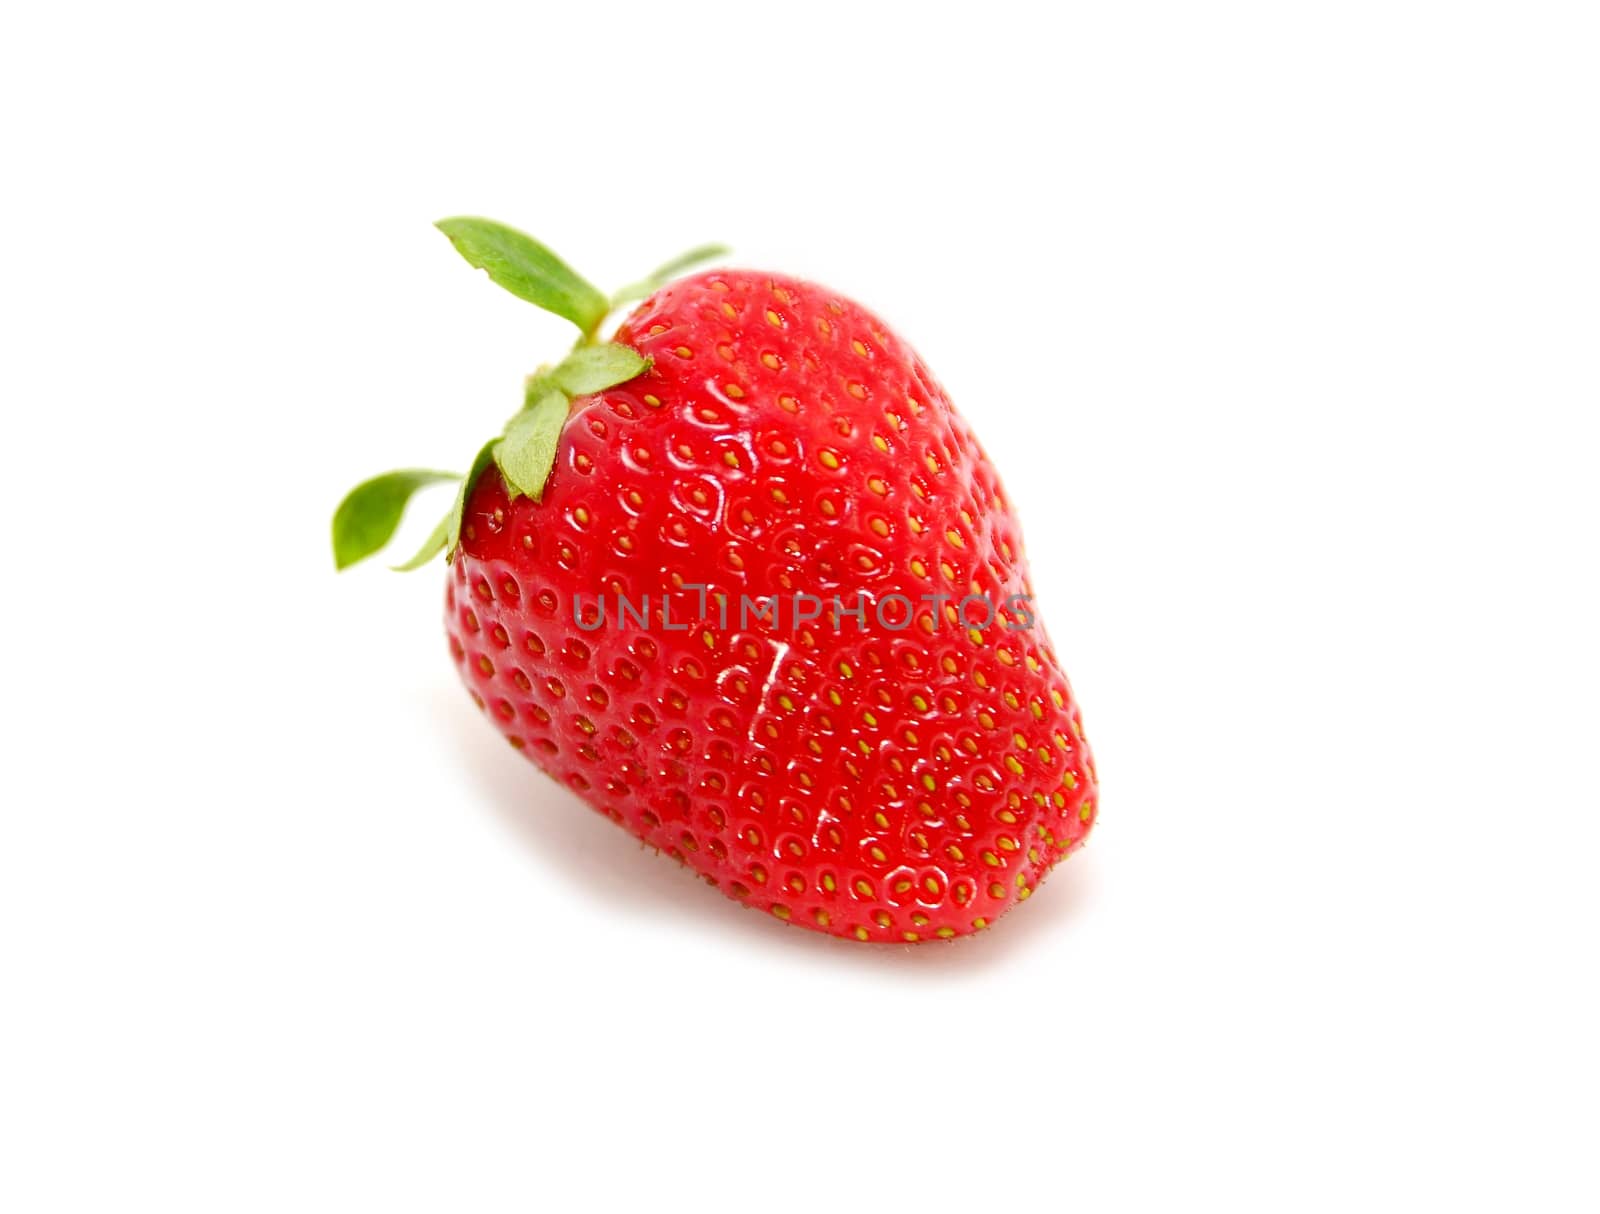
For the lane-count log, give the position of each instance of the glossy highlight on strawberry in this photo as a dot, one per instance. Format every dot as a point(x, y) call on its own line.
point(881, 775)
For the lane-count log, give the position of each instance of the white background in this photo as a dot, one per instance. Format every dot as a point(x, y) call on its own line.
point(1281, 322)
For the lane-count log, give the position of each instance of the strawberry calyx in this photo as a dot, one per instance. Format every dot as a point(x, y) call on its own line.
point(525, 450)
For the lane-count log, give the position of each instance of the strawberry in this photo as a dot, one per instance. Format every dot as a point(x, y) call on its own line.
point(744, 580)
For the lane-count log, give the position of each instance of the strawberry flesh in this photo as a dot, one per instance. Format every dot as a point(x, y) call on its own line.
point(894, 775)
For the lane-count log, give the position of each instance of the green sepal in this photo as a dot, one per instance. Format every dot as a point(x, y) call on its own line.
point(536, 385)
point(438, 540)
point(526, 268)
point(596, 368)
point(663, 274)
point(527, 453)
point(452, 522)
point(370, 513)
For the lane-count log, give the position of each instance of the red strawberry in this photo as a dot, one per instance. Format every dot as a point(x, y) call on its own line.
point(896, 768)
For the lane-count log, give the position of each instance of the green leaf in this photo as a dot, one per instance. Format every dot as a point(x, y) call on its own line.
point(431, 547)
point(661, 275)
point(370, 514)
point(458, 512)
point(596, 368)
point(527, 269)
point(528, 451)
point(536, 385)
